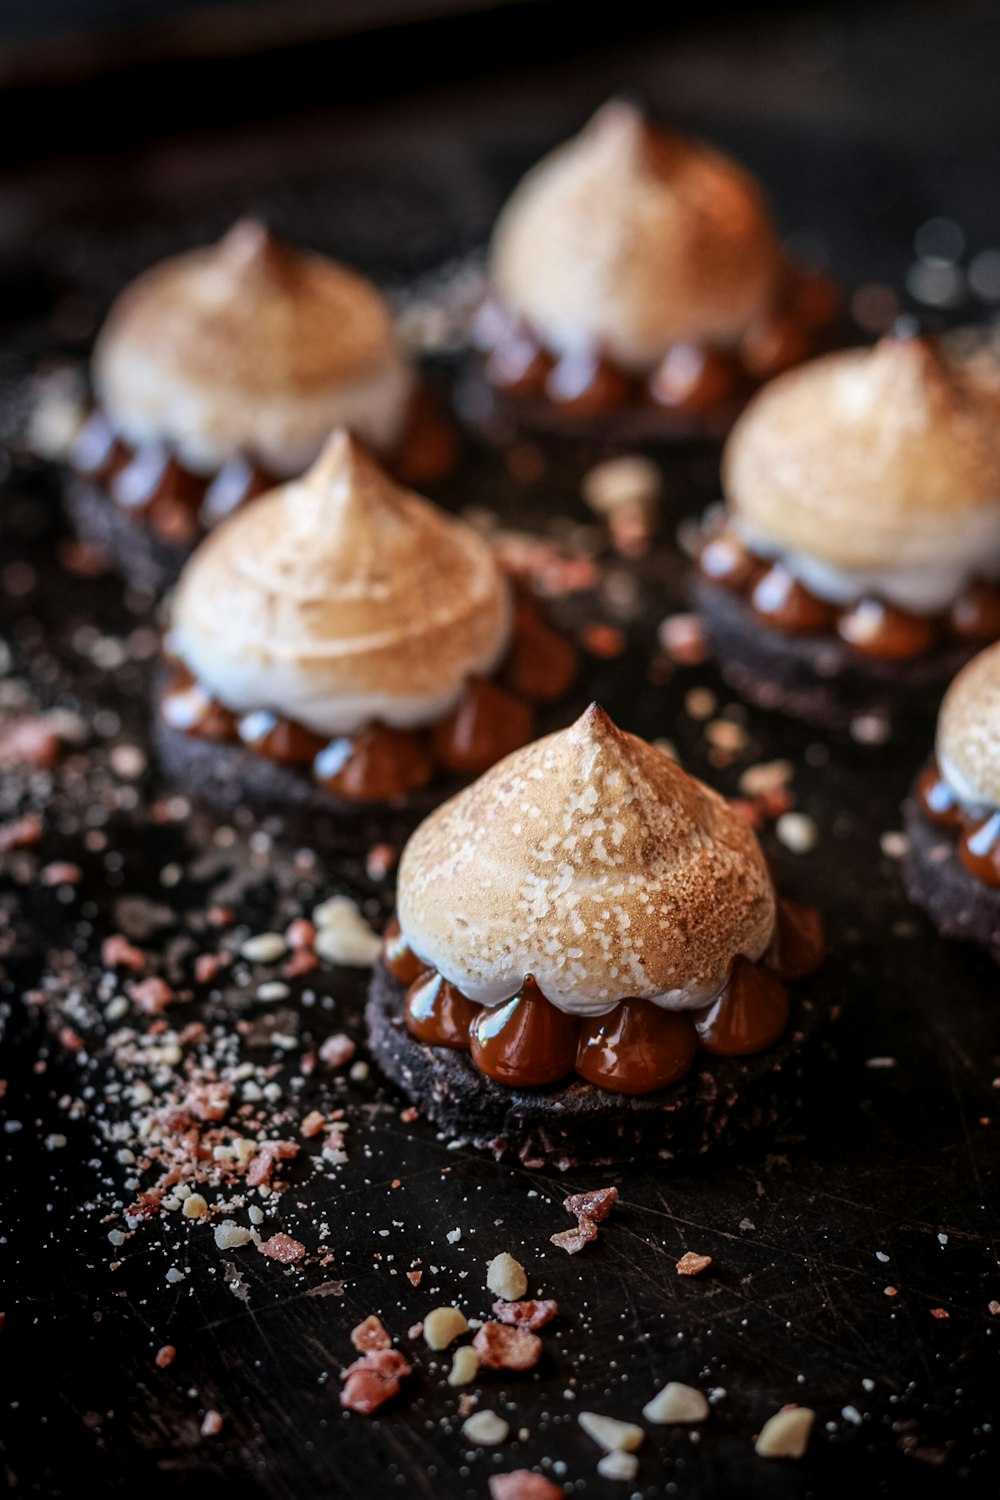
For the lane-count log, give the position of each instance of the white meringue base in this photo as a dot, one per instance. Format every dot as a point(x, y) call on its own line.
point(924, 589)
point(205, 427)
point(282, 687)
point(562, 988)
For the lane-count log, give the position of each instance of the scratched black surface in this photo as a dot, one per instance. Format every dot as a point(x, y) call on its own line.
point(885, 1177)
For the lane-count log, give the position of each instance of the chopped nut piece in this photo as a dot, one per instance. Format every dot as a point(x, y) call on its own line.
point(265, 948)
point(211, 1424)
point(506, 1277)
point(521, 1484)
point(610, 1434)
point(626, 491)
point(464, 1366)
point(573, 1240)
point(312, 1124)
point(337, 1051)
point(230, 1236)
point(414, 1277)
point(595, 1205)
point(691, 1264)
point(195, 1206)
point(940, 1313)
point(283, 1248)
point(370, 1335)
point(152, 996)
point(373, 1379)
point(442, 1327)
point(300, 934)
point(165, 1356)
point(618, 1465)
point(797, 832)
point(526, 1314)
point(485, 1428)
point(786, 1434)
point(683, 639)
point(502, 1348)
point(118, 953)
point(344, 936)
point(676, 1403)
point(22, 833)
point(625, 481)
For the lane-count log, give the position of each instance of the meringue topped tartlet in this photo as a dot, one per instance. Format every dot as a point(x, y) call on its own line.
point(218, 373)
point(636, 277)
point(857, 565)
point(342, 641)
point(952, 865)
point(589, 961)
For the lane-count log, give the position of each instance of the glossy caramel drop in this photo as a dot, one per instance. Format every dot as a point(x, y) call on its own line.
point(725, 560)
point(636, 1048)
point(437, 1013)
point(237, 481)
point(693, 378)
point(975, 614)
point(780, 601)
point(882, 632)
point(518, 365)
point(487, 725)
point(750, 1014)
point(279, 739)
point(398, 957)
point(586, 384)
point(97, 451)
point(185, 705)
point(541, 664)
point(797, 947)
point(429, 450)
point(526, 1042)
point(374, 765)
point(773, 345)
point(979, 850)
point(151, 475)
point(937, 800)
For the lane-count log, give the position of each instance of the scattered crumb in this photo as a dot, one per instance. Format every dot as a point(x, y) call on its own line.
point(506, 1277)
point(691, 1264)
point(786, 1434)
point(594, 1205)
point(574, 1240)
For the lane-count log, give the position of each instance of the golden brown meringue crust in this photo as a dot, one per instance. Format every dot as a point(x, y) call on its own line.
point(254, 313)
point(249, 346)
point(869, 458)
point(968, 733)
point(635, 239)
point(592, 861)
point(340, 584)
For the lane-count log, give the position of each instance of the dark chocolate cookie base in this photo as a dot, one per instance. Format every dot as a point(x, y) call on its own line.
point(576, 1124)
point(228, 777)
point(959, 905)
point(145, 560)
point(503, 418)
point(818, 679)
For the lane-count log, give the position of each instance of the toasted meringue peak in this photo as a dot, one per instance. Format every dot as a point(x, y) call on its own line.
point(339, 599)
point(968, 733)
point(251, 347)
point(635, 239)
point(590, 860)
point(886, 458)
